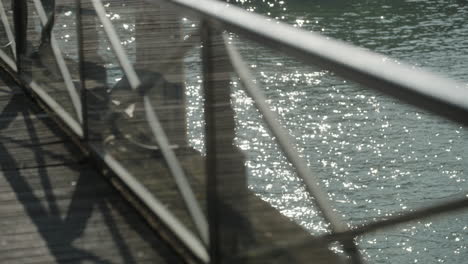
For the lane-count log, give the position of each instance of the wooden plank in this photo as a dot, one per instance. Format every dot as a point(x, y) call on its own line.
point(29, 129)
point(13, 157)
point(101, 251)
point(58, 176)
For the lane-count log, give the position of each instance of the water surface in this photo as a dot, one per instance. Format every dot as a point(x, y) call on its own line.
point(375, 155)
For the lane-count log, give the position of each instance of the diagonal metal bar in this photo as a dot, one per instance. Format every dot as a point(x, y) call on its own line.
point(120, 52)
point(56, 107)
point(64, 71)
point(6, 25)
point(166, 65)
point(160, 136)
point(452, 205)
point(176, 170)
point(187, 237)
point(282, 137)
point(116, 46)
point(455, 204)
point(9, 61)
point(286, 144)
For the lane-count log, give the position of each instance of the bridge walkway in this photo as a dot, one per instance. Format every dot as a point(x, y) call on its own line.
point(54, 206)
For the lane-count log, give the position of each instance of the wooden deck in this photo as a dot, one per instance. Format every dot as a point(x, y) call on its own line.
point(54, 206)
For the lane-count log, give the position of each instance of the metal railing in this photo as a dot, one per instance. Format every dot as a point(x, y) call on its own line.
point(428, 91)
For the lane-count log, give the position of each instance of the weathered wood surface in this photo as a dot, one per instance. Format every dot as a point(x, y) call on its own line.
point(55, 207)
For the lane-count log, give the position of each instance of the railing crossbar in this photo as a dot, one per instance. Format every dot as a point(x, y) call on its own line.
point(426, 90)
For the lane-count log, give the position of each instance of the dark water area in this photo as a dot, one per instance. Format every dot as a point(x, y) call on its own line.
point(375, 155)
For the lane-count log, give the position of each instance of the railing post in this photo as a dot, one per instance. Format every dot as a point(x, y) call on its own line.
point(210, 143)
point(81, 67)
point(20, 21)
point(227, 193)
point(93, 76)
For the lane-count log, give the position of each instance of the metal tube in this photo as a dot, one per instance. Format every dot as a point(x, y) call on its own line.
point(37, 89)
point(116, 46)
point(65, 72)
point(56, 107)
point(426, 90)
point(287, 146)
point(83, 91)
point(9, 61)
point(418, 214)
point(176, 170)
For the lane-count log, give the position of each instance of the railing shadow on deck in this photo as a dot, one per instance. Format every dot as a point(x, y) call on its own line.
point(60, 232)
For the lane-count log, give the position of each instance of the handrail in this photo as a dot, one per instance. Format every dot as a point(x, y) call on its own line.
point(436, 94)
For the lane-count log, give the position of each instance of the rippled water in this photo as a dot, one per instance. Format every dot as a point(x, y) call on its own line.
point(375, 155)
